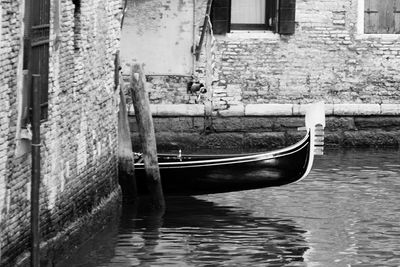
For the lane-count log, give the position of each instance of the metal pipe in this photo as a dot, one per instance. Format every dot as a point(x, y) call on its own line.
point(205, 27)
point(124, 12)
point(35, 182)
point(277, 17)
point(194, 40)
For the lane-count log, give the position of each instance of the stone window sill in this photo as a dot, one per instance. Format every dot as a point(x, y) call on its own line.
point(362, 36)
point(252, 35)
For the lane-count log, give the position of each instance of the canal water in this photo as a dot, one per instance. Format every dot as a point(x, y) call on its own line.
point(345, 213)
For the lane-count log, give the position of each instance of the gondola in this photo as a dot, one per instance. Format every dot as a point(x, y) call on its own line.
point(206, 174)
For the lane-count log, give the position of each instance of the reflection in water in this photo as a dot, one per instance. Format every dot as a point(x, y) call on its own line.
point(349, 206)
point(345, 213)
point(194, 232)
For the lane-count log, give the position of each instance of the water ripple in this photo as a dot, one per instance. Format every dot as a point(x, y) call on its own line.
point(346, 213)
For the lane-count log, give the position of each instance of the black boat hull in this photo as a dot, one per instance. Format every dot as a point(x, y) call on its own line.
point(220, 174)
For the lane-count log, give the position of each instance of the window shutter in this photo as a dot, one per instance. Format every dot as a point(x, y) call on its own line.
point(396, 15)
point(40, 32)
point(371, 16)
point(386, 16)
point(220, 16)
point(286, 16)
point(381, 16)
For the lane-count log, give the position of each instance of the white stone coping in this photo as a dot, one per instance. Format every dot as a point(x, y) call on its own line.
point(243, 34)
point(167, 110)
point(196, 110)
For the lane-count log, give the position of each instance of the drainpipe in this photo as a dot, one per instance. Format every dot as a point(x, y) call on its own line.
point(35, 182)
point(203, 32)
point(123, 13)
point(194, 40)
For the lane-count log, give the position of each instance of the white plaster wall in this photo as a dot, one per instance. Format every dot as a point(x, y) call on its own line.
point(159, 34)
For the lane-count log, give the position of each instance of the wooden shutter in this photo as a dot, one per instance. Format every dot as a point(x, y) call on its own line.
point(39, 57)
point(271, 15)
point(371, 16)
point(220, 16)
point(396, 15)
point(286, 16)
point(381, 16)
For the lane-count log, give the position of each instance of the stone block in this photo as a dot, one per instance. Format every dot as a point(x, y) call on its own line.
point(232, 111)
point(221, 140)
point(376, 138)
point(227, 124)
point(373, 122)
point(174, 124)
point(177, 110)
point(265, 140)
point(258, 124)
point(300, 109)
point(287, 123)
point(390, 109)
point(334, 123)
point(268, 109)
point(356, 109)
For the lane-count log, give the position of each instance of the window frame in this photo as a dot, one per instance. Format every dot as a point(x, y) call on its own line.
point(284, 19)
point(259, 26)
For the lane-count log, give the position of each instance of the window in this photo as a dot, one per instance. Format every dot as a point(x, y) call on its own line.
point(252, 14)
point(271, 15)
point(382, 16)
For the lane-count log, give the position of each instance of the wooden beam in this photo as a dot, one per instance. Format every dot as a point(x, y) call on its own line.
point(144, 121)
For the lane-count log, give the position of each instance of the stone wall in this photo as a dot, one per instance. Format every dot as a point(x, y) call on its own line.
point(79, 157)
point(266, 126)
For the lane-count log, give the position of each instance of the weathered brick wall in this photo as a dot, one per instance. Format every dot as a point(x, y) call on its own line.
point(326, 59)
point(79, 160)
point(9, 47)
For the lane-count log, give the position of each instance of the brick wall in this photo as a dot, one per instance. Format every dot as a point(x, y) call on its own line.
point(79, 160)
point(326, 59)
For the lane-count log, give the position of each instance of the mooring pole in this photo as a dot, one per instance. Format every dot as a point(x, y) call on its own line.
point(35, 183)
point(144, 121)
point(126, 161)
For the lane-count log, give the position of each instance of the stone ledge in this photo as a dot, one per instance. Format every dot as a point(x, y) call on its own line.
point(170, 110)
point(232, 111)
point(356, 109)
point(390, 109)
point(268, 110)
point(241, 110)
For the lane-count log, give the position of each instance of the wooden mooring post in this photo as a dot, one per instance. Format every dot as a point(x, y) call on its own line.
point(126, 168)
point(144, 121)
